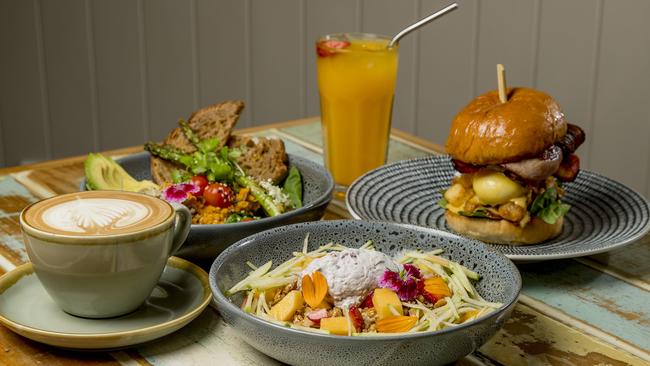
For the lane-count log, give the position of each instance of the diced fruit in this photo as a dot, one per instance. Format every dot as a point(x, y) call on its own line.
point(468, 316)
point(437, 287)
point(219, 195)
point(287, 307)
point(329, 47)
point(367, 302)
point(314, 289)
point(383, 299)
point(200, 181)
point(317, 315)
point(356, 317)
point(336, 325)
point(396, 324)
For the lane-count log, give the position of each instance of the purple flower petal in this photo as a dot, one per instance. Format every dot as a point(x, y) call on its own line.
point(188, 187)
point(173, 194)
point(390, 280)
point(412, 271)
point(406, 283)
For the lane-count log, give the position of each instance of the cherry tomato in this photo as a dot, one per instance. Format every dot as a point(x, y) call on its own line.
point(201, 181)
point(218, 194)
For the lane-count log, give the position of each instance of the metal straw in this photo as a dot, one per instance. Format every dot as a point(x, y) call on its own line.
point(420, 23)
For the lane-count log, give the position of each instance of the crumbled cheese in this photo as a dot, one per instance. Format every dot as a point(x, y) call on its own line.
point(279, 197)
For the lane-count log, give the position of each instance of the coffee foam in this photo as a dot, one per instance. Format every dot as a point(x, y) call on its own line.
point(97, 213)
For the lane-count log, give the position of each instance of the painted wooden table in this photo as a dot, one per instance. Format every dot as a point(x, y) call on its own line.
point(586, 311)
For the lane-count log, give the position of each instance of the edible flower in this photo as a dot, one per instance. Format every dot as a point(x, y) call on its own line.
point(180, 192)
point(314, 289)
point(406, 283)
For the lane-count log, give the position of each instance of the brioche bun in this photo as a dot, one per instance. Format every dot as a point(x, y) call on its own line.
point(487, 131)
point(503, 231)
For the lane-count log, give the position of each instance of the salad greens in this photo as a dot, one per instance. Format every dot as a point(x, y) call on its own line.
point(293, 187)
point(220, 165)
point(548, 207)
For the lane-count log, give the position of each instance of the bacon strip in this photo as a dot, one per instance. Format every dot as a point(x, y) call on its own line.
point(569, 169)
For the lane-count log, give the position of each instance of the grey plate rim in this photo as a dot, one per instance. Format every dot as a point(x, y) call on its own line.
point(220, 297)
point(517, 257)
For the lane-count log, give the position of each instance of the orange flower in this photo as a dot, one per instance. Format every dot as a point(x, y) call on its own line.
point(314, 289)
point(396, 324)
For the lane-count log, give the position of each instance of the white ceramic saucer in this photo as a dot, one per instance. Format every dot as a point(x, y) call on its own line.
point(182, 293)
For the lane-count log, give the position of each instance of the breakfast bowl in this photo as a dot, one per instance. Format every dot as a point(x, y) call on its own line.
point(206, 241)
point(500, 283)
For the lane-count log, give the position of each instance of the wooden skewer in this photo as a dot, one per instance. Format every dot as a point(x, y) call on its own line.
point(501, 78)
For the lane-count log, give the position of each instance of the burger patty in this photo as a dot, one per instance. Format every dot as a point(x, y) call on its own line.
point(558, 159)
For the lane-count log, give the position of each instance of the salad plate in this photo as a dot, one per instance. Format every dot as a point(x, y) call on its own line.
point(298, 343)
point(604, 214)
point(205, 241)
point(25, 307)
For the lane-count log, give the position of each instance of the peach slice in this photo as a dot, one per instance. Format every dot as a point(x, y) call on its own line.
point(383, 299)
point(287, 307)
point(336, 325)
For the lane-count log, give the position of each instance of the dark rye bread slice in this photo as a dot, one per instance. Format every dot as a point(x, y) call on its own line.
point(215, 121)
point(263, 158)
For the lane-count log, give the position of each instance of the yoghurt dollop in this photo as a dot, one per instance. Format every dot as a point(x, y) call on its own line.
point(351, 273)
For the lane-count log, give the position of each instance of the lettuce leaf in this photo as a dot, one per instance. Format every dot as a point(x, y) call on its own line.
point(548, 207)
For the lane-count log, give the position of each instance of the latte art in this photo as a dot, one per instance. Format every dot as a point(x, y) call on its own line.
point(95, 215)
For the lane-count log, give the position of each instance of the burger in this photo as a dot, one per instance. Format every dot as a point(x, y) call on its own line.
point(512, 160)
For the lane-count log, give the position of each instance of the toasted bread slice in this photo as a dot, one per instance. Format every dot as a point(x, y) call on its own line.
point(215, 121)
point(263, 158)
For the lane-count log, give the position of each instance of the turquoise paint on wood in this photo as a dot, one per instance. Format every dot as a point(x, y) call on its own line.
point(596, 298)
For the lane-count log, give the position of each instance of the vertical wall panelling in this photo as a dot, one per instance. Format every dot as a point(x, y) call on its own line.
point(566, 60)
point(2, 145)
point(534, 49)
point(118, 73)
point(276, 60)
point(389, 17)
point(445, 67)
point(170, 80)
point(619, 146)
point(21, 109)
point(92, 74)
point(222, 52)
point(144, 95)
point(196, 74)
point(69, 85)
point(506, 35)
point(302, 49)
point(334, 16)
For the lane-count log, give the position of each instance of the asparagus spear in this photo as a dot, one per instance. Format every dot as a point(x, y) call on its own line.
point(177, 156)
point(189, 133)
point(167, 152)
point(260, 195)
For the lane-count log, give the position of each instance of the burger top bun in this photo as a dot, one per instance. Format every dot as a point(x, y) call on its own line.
point(487, 131)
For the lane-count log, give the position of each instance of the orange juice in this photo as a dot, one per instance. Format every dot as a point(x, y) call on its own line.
point(356, 80)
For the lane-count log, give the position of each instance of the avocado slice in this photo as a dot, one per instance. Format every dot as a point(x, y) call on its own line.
point(105, 174)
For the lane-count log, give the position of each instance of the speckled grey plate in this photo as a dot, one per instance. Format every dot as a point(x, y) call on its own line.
point(604, 214)
point(206, 241)
point(500, 283)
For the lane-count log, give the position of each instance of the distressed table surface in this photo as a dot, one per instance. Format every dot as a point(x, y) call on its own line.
point(587, 311)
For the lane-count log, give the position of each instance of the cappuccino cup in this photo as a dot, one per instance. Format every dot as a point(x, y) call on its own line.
point(100, 254)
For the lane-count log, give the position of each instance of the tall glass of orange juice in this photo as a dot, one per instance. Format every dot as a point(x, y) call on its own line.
point(356, 81)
